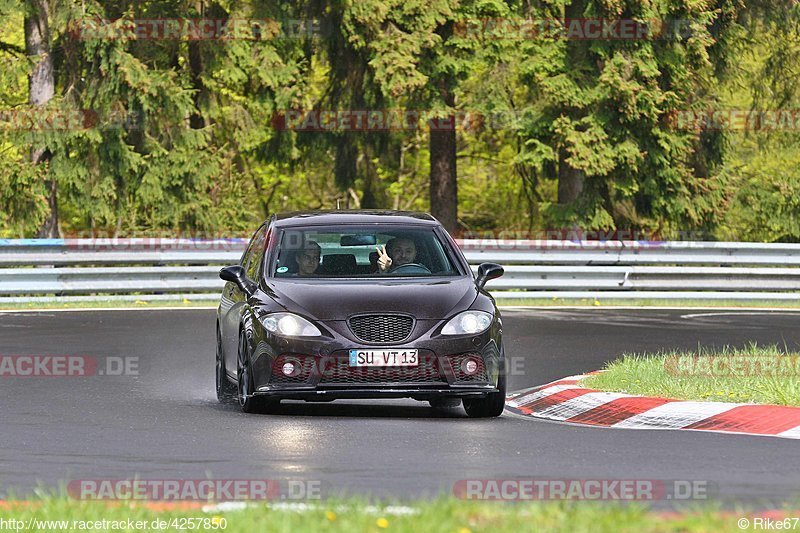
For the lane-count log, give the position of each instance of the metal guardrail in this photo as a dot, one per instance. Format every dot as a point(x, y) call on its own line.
point(152, 269)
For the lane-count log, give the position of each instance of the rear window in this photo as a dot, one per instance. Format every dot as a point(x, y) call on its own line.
point(362, 252)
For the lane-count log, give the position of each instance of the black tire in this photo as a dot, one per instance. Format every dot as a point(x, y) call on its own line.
point(244, 389)
point(226, 391)
point(445, 403)
point(490, 406)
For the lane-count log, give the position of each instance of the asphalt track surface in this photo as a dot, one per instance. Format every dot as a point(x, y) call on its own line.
point(165, 423)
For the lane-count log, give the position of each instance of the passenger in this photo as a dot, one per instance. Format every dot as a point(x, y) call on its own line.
point(308, 259)
point(397, 252)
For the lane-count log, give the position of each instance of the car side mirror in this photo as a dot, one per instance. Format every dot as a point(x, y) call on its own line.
point(236, 274)
point(488, 271)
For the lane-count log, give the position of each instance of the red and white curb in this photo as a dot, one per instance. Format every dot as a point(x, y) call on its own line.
point(566, 401)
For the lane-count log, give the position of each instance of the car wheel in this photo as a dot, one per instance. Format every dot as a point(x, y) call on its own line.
point(226, 391)
point(248, 402)
point(445, 403)
point(490, 406)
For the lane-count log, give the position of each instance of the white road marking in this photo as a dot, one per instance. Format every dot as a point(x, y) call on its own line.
point(580, 405)
point(303, 507)
point(82, 309)
point(538, 395)
point(793, 433)
point(758, 313)
point(676, 415)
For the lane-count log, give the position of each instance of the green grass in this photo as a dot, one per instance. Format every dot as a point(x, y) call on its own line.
point(752, 374)
point(444, 514)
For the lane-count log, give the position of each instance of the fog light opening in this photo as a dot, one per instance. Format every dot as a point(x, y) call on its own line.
point(470, 367)
point(289, 369)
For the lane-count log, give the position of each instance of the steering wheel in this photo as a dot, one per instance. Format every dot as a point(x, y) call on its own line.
point(411, 268)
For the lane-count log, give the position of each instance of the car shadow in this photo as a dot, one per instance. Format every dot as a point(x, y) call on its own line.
point(350, 409)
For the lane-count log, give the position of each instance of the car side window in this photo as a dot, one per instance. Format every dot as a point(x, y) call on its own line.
point(253, 267)
point(249, 251)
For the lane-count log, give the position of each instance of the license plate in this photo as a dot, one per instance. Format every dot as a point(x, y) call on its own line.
point(384, 358)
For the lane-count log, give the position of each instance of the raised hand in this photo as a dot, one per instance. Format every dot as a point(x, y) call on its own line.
point(384, 261)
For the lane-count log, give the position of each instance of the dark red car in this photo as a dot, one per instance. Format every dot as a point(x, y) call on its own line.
point(368, 304)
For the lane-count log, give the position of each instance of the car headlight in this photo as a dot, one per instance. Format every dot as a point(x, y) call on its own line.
point(468, 323)
point(290, 325)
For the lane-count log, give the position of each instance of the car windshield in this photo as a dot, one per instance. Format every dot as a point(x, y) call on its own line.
point(362, 252)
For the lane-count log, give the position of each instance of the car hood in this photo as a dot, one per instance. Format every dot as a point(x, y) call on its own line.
point(338, 299)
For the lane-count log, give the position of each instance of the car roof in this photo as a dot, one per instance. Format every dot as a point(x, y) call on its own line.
point(309, 218)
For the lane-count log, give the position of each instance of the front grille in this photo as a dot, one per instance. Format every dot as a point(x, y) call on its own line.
point(376, 329)
point(341, 373)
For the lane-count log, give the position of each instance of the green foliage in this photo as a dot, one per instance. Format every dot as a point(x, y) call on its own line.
point(762, 164)
point(766, 202)
point(601, 109)
point(182, 136)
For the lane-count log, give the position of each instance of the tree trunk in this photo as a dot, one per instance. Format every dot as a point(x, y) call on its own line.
point(570, 181)
point(41, 87)
point(196, 120)
point(443, 175)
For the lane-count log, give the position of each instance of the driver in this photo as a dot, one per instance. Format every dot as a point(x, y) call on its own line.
point(308, 259)
point(397, 252)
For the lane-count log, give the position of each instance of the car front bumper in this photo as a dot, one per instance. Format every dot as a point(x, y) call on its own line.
point(417, 393)
point(323, 371)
